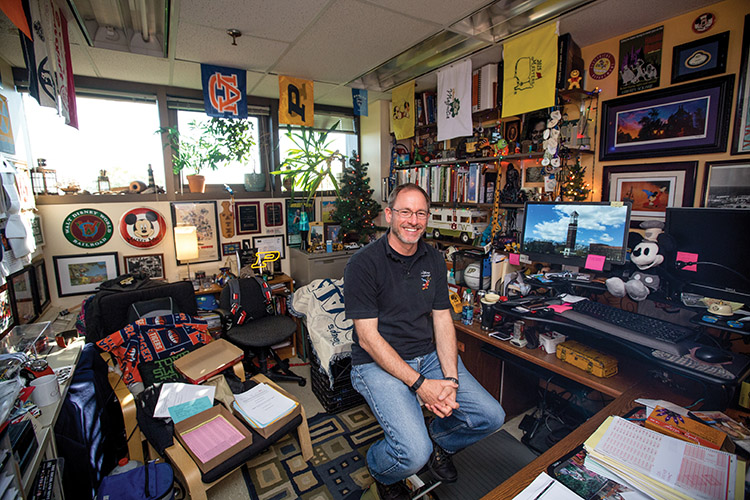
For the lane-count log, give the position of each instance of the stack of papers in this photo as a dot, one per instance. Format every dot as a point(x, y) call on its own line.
point(263, 405)
point(663, 467)
point(180, 401)
point(544, 487)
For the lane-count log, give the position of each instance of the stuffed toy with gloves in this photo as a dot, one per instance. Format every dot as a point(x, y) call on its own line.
point(648, 253)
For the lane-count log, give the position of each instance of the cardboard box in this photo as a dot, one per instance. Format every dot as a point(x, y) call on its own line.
point(270, 429)
point(587, 359)
point(194, 423)
point(208, 360)
point(684, 428)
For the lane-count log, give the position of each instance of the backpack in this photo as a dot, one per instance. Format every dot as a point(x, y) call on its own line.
point(239, 315)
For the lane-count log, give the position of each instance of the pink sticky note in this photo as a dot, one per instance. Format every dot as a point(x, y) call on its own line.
point(594, 262)
point(515, 259)
point(558, 308)
point(688, 257)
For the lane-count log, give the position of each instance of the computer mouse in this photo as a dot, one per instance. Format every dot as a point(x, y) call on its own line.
point(712, 355)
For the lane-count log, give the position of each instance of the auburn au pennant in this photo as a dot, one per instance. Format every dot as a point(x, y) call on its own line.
point(530, 71)
point(296, 101)
point(224, 91)
point(402, 111)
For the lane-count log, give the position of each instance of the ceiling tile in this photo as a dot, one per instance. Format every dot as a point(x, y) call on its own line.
point(81, 62)
point(337, 52)
point(10, 49)
point(186, 74)
point(268, 86)
point(275, 19)
point(337, 96)
point(129, 67)
point(213, 46)
point(443, 12)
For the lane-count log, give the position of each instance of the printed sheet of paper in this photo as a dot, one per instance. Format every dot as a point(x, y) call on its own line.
point(557, 491)
point(211, 438)
point(173, 394)
point(697, 471)
point(185, 410)
point(263, 404)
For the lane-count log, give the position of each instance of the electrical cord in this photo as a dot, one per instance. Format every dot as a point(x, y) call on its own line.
point(682, 265)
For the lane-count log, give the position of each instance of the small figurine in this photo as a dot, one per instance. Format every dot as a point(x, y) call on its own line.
point(574, 82)
point(304, 228)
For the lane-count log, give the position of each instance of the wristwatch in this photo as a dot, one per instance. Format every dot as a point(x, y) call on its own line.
point(452, 379)
point(416, 385)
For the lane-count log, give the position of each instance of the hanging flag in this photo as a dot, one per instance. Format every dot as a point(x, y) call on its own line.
point(38, 53)
point(296, 101)
point(359, 101)
point(402, 111)
point(6, 131)
point(530, 71)
point(224, 91)
point(15, 12)
point(454, 101)
point(64, 67)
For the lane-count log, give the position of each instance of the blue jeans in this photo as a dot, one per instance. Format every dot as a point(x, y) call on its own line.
point(406, 445)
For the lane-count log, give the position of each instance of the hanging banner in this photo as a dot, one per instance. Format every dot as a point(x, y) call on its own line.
point(7, 145)
point(530, 71)
point(454, 101)
point(224, 91)
point(64, 68)
point(37, 54)
point(402, 111)
point(14, 10)
point(296, 101)
point(359, 102)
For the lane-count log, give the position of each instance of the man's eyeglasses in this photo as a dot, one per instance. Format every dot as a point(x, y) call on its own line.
point(406, 213)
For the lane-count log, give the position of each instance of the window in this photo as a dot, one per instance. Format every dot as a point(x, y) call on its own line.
point(234, 173)
point(464, 219)
point(437, 218)
point(116, 134)
point(343, 139)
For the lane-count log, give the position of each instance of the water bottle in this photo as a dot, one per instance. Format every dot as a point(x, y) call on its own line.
point(124, 465)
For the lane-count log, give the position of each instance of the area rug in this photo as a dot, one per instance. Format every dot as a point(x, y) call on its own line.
point(338, 469)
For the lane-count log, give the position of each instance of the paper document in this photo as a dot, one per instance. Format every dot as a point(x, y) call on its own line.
point(536, 490)
point(173, 394)
point(263, 404)
point(211, 438)
point(185, 410)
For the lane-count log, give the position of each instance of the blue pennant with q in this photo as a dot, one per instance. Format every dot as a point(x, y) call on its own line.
point(359, 100)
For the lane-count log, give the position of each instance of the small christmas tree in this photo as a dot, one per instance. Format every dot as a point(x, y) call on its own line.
point(356, 209)
point(575, 188)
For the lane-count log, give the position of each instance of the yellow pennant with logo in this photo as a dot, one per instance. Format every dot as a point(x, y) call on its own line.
point(530, 71)
point(295, 101)
point(402, 111)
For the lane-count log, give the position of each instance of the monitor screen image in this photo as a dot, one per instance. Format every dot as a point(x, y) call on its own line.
point(566, 233)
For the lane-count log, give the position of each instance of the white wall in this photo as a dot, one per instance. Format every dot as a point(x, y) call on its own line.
point(376, 147)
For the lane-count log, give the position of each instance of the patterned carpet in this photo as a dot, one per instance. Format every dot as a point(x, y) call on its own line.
point(338, 469)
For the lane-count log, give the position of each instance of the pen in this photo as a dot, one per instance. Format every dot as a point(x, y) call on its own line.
point(541, 493)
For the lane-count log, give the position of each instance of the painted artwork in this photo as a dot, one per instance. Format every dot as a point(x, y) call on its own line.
point(87, 273)
point(683, 120)
point(653, 195)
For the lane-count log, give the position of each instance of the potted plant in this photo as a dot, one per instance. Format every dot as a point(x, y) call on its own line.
point(309, 164)
point(211, 144)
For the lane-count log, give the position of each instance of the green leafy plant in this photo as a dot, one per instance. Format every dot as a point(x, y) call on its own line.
point(309, 163)
point(212, 144)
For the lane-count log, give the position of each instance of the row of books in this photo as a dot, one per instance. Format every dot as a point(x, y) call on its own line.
point(446, 184)
point(426, 104)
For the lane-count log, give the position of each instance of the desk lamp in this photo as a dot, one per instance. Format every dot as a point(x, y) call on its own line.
point(186, 244)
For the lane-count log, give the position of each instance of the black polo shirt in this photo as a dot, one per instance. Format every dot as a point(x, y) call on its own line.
point(401, 291)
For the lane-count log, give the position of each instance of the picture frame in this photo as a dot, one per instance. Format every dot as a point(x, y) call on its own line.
point(741, 135)
point(532, 129)
point(700, 58)
point(151, 265)
point(204, 216)
point(333, 233)
point(230, 248)
point(316, 235)
point(512, 131)
point(273, 214)
point(727, 184)
point(533, 175)
point(327, 206)
point(247, 217)
point(637, 127)
point(293, 210)
point(640, 61)
point(22, 292)
point(7, 320)
point(270, 243)
point(43, 298)
point(651, 188)
point(36, 230)
point(82, 274)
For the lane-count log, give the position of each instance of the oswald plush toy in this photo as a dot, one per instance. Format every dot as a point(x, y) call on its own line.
point(648, 253)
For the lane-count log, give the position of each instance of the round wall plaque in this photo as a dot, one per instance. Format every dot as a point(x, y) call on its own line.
point(142, 227)
point(88, 228)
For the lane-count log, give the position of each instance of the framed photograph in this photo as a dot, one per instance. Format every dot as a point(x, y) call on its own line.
point(7, 320)
point(247, 217)
point(273, 243)
point(36, 230)
point(82, 274)
point(273, 214)
point(700, 58)
point(294, 215)
point(21, 285)
point(42, 285)
point(512, 131)
point(688, 119)
point(316, 236)
point(230, 248)
point(203, 215)
point(326, 208)
point(533, 175)
point(532, 129)
point(727, 184)
point(650, 188)
point(741, 137)
point(333, 233)
point(151, 265)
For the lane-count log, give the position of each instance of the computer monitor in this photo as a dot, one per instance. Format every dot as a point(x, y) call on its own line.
point(721, 238)
point(567, 232)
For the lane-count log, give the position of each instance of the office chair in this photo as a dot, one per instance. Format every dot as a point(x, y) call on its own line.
point(259, 330)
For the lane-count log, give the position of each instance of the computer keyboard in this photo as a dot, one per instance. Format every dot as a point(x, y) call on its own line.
point(687, 361)
point(633, 327)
